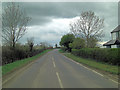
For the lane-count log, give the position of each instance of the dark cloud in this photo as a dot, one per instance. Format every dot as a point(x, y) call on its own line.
point(42, 13)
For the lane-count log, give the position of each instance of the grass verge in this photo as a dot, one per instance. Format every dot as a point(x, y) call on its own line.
point(9, 67)
point(61, 51)
point(98, 65)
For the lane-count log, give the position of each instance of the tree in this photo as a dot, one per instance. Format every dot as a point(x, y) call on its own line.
point(88, 26)
point(77, 43)
point(45, 45)
point(66, 39)
point(56, 45)
point(92, 42)
point(30, 42)
point(14, 23)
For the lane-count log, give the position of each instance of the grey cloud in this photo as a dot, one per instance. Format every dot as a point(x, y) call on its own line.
point(43, 13)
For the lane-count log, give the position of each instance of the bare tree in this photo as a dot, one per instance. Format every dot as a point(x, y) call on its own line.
point(30, 42)
point(56, 46)
point(88, 26)
point(45, 45)
point(14, 23)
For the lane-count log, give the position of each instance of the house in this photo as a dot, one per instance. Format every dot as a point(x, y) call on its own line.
point(115, 41)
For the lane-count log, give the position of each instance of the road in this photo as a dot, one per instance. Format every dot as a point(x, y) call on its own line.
point(54, 70)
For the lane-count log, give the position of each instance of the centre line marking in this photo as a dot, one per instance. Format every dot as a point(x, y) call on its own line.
point(52, 58)
point(61, 86)
point(54, 64)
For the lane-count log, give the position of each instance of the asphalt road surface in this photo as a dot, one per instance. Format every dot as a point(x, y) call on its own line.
point(54, 70)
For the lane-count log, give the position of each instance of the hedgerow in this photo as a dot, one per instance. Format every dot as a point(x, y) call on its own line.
point(108, 55)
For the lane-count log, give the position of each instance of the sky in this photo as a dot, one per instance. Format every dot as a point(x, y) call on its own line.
point(50, 20)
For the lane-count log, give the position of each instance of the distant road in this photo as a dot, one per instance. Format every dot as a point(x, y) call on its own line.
point(54, 70)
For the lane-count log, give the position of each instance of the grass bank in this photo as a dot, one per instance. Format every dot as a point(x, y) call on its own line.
point(9, 67)
point(98, 65)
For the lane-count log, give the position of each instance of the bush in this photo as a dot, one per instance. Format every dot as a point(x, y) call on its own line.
point(10, 54)
point(64, 49)
point(77, 43)
point(99, 54)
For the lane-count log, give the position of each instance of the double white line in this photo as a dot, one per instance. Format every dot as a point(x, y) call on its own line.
point(57, 74)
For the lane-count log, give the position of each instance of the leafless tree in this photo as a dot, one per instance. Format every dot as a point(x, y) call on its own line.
point(88, 26)
point(30, 42)
point(14, 23)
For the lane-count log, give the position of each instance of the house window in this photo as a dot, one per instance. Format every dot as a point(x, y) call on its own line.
point(118, 46)
point(113, 36)
point(108, 46)
point(119, 35)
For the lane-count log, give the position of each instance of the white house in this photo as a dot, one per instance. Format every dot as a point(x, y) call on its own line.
point(115, 41)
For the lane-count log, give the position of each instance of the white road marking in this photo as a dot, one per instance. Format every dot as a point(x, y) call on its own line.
point(90, 69)
point(97, 73)
point(54, 64)
point(114, 81)
point(61, 86)
point(59, 80)
point(17, 73)
point(86, 67)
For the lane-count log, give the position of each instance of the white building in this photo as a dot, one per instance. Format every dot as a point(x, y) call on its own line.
point(115, 42)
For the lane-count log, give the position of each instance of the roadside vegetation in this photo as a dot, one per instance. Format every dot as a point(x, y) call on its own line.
point(106, 55)
point(81, 43)
point(92, 63)
point(14, 26)
point(10, 54)
point(10, 67)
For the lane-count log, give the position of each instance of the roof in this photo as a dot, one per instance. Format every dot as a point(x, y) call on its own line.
point(116, 29)
point(112, 42)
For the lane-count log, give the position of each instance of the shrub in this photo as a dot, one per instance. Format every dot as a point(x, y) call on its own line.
point(64, 48)
point(77, 43)
point(99, 54)
point(10, 54)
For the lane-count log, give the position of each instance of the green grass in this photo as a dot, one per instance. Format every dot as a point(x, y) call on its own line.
point(9, 67)
point(98, 65)
point(61, 51)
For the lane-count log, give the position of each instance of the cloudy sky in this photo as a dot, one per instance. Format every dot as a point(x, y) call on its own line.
point(50, 20)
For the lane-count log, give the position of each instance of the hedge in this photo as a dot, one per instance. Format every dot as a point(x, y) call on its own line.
point(108, 55)
point(10, 55)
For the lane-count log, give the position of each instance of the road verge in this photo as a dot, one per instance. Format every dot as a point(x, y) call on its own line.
point(18, 66)
point(93, 66)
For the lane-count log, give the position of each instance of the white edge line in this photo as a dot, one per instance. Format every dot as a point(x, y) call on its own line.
point(90, 69)
point(98, 73)
point(114, 81)
point(16, 73)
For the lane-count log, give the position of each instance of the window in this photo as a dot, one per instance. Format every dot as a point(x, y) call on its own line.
point(119, 35)
point(113, 36)
point(108, 46)
point(118, 46)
